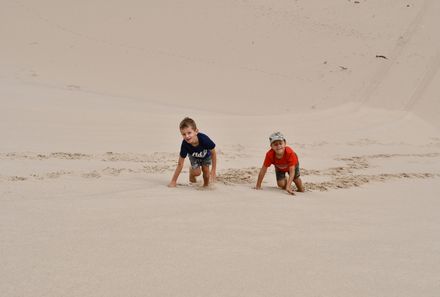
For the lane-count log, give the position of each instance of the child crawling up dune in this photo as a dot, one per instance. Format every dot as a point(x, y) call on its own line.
point(285, 161)
point(201, 152)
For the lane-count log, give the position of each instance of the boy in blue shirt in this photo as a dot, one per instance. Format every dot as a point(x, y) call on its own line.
point(201, 152)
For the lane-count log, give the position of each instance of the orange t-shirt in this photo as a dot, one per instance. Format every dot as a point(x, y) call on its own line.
point(289, 159)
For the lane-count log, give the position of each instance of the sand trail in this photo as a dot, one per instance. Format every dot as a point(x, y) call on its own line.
point(111, 164)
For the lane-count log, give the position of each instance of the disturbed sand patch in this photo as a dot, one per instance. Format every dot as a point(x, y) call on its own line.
point(238, 176)
point(339, 177)
point(357, 180)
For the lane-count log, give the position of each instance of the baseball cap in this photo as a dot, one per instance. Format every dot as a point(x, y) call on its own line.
point(276, 136)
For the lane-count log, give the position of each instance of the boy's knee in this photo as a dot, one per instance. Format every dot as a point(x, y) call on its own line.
point(281, 183)
point(196, 171)
point(299, 185)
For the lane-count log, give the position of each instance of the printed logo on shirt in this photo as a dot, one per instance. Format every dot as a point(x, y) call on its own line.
point(201, 154)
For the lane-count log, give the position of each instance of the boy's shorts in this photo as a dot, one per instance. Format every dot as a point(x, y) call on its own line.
point(196, 162)
point(282, 175)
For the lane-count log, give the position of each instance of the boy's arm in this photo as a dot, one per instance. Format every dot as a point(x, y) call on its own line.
point(214, 164)
point(290, 180)
point(179, 168)
point(261, 175)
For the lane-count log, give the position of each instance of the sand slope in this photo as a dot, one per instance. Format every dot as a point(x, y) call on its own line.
point(205, 54)
point(91, 96)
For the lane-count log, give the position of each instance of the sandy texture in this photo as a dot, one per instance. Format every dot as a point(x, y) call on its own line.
point(91, 95)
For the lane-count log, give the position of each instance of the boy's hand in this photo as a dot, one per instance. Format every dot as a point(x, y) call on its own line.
point(290, 191)
point(172, 184)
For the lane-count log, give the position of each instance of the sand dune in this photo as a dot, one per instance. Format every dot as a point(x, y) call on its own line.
point(91, 96)
point(303, 55)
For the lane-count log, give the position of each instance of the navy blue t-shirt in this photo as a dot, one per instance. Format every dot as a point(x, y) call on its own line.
point(201, 151)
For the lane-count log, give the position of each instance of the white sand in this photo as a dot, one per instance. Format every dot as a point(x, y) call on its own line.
point(91, 96)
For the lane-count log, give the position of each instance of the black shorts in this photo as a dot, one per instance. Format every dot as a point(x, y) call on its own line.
point(282, 175)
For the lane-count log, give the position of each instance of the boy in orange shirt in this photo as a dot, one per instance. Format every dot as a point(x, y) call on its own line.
point(285, 160)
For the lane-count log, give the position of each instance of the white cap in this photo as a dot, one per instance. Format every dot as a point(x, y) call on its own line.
point(276, 136)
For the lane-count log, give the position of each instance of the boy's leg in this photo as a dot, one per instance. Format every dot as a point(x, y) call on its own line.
point(193, 172)
point(298, 184)
point(205, 170)
point(194, 169)
point(281, 179)
point(282, 183)
point(297, 180)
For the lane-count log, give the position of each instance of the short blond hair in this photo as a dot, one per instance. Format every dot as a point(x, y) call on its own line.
point(187, 123)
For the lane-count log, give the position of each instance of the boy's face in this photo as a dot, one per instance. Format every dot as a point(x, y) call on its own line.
point(278, 146)
point(189, 135)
